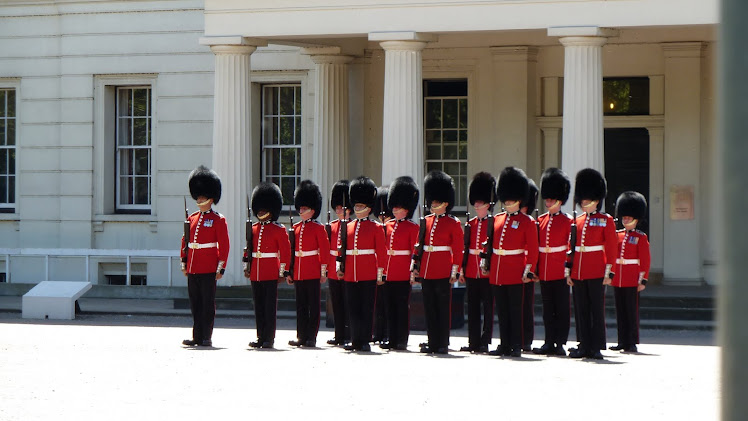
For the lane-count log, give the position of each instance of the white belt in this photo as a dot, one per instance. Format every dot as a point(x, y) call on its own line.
point(306, 253)
point(360, 252)
point(475, 252)
point(431, 249)
point(627, 261)
point(502, 252)
point(588, 248)
point(203, 245)
point(552, 249)
point(261, 255)
point(398, 252)
point(333, 252)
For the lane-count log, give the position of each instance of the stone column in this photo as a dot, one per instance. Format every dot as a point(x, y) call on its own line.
point(231, 140)
point(330, 118)
point(402, 135)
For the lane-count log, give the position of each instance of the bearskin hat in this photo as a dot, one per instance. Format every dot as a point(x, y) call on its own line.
point(439, 186)
point(555, 184)
point(308, 194)
point(513, 185)
point(404, 193)
point(633, 204)
point(267, 196)
point(339, 195)
point(205, 182)
point(531, 201)
point(380, 204)
point(482, 187)
point(590, 185)
point(363, 190)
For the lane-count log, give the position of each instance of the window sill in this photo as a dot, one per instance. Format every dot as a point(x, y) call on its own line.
point(14, 217)
point(124, 217)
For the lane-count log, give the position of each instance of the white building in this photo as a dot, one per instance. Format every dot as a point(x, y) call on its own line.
point(106, 106)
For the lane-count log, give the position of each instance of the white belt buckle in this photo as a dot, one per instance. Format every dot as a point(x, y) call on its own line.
point(258, 255)
point(429, 249)
point(502, 252)
point(354, 252)
point(194, 246)
point(582, 249)
point(391, 252)
point(547, 249)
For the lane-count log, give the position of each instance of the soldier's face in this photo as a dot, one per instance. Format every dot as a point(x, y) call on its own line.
point(589, 205)
point(511, 206)
point(305, 213)
point(629, 222)
point(263, 215)
point(552, 205)
point(481, 208)
point(362, 211)
point(203, 203)
point(339, 211)
point(438, 207)
point(399, 212)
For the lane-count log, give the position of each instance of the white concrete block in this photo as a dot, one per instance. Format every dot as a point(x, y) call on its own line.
point(53, 300)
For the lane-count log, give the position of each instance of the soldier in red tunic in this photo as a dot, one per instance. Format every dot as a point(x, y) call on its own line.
point(365, 256)
point(441, 260)
point(383, 214)
point(479, 296)
point(631, 268)
point(207, 252)
point(528, 289)
point(311, 254)
point(594, 255)
point(342, 206)
point(401, 235)
point(555, 228)
point(514, 251)
point(270, 254)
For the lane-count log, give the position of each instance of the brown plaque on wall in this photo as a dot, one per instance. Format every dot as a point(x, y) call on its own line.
point(681, 202)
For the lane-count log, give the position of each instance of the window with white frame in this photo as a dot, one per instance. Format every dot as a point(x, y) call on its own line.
point(7, 149)
point(446, 131)
point(281, 137)
point(133, 154)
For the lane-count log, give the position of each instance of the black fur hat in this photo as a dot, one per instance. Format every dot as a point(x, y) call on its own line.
point(380, 204)
point(633, 204)
point(363, 190)
point(531, 201)
point(513, 185)
point(267, 196)
point(308, 194)
point(590, 185)
point(439, 186)
point(481, 188)
point(339, 195)
point(205, 182)
point(404, 193)
point(555, 184)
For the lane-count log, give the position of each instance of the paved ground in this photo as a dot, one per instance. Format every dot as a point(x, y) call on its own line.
point(111, 367)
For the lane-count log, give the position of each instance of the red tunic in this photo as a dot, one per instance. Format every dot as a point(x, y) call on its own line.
point(269, 238)
point(554, 244)
point(633, 246)
point(478, 235)
point(210, 230)
point(334, 245)
point(310, 237)
point(400, 239)
point(594, 230)
point(441, 231)
point(364, 235)
point(515, 243)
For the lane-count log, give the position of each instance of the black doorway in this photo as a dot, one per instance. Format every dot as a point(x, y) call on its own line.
point(627, 166)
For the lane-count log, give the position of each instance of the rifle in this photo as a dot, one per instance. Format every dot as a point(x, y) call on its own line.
point(485, 255)
point(292, 240)
point(531, 275)
point(185, 248)
point(466, 240)
point(248, 234)
point(343, 232)
point(418, 253)
point(572, 241)
point(328, 228)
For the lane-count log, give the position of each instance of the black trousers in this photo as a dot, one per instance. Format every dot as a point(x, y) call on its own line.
point(437, 300)
point(556, 312)
point(627, 315)
point(528, 313)
point(201, 288)
point(307, 309)
point(360, 297)
point(397, 297)
point(509, 306)
point(265, 297)
point(480, 303)
point(339, 312)
point(380, 316)
point(589, 298)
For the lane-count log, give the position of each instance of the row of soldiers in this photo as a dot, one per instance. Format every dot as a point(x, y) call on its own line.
point(500, 257)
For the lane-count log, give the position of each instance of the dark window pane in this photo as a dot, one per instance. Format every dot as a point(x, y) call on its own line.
point(267, 131)
point(463, 168)
point(288, 161)
point(433, 114)
point(430, 166)
point(287, 187)
point(297, 131)
point(298, 164)
point(450, 136)
point(297, 104)
point(286, 100)
point(11, 189)
point(3, 95)
point(140, 137)
point(124, 133)
point(125, 102)
point(140, 102)
point(286, 131)
point(142, 196)
point(463, 150)
point(445, 87)
point(3, 140)
point(11, 95)
point(142, 161)
point(450, 150)
point(125, 190)
point(11, 161)
point(452, 168)
point(3, 161)
point(273, 161)
point(461, 184)
point(463, 113)
point(450, 113)
point(433, 152)
point(125, 161)
point(276, 132)
point(4, 189)
point(274, 100)
point(626, 96)
point(434, 136)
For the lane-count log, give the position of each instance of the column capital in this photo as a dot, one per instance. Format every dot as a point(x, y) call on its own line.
point(326, 55)
point(402, 36)
point(583, 41)
point(581, 31)
point(403, 45)
point(233, 49)
point(233, 41)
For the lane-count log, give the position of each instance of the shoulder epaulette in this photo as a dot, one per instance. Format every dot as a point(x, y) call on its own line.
point(194, 213)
